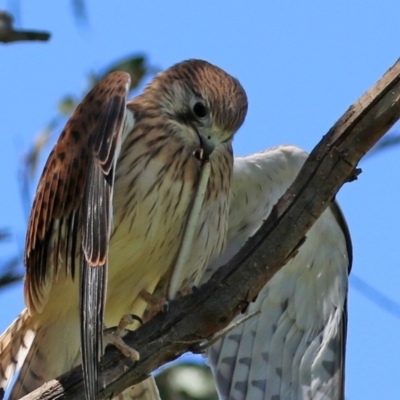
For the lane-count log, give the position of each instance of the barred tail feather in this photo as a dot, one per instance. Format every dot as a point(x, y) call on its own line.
point(54, 351)
point(14, 345)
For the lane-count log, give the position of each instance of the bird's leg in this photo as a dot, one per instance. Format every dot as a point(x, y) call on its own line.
point(160, 303)
point(114, 336)
point(185, 290)
point(155, 304)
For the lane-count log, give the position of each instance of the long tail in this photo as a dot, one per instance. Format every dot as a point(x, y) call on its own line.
point(14, 345)
point(53, 351)
point(44, 356)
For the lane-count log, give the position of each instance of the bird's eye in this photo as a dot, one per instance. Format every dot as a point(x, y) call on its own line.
point(200, 110)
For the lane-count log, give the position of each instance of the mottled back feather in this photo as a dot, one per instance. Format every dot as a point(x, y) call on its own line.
point(14, 345)
point(295, 349)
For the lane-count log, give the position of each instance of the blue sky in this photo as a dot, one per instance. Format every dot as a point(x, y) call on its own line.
point(302, 64)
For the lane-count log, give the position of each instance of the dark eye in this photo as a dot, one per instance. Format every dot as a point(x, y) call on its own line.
point(200, 110)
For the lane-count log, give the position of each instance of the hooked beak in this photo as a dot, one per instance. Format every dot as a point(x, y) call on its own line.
point(207, 144)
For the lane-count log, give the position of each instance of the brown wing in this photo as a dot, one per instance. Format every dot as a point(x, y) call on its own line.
point(88, 142)
point(72, 212)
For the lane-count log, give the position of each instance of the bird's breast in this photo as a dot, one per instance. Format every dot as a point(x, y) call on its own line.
point(153, 194)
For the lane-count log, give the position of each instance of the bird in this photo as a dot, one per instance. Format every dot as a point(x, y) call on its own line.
point(294, 349)
point(110, 213)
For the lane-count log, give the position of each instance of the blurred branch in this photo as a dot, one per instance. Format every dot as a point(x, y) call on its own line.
point(379, 298)
point(4, 234)
point(389, 141)
point(9, 273)
point(195, 318)
point(8, 34)
point(79, 10)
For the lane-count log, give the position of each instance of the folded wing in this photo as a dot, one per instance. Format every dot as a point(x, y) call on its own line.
point(295, 348)
point(72, 212)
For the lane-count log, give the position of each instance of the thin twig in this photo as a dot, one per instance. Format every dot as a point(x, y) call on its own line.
point(8, 34)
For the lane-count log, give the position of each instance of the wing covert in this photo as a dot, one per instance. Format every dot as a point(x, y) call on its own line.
point(53, 236)
point(72, 212)
point(295, 348)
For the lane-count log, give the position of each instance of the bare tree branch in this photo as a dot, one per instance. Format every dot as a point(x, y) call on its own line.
point(8, 34)
point(197, 317)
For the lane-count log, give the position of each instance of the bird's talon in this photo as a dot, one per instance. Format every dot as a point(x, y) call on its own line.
point(152, 300)
point(128, 319)
point(114, 337)
point(195, 290)
point(186, 290)
point(156, 304)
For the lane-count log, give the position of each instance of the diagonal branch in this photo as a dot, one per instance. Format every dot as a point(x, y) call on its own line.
point(197, 317)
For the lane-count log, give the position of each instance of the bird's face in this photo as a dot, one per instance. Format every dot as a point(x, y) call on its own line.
point(202, 101)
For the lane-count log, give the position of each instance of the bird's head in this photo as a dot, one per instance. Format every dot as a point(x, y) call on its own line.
point(201, 100)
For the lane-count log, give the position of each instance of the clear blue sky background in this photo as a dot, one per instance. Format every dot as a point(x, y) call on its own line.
point(302, 64)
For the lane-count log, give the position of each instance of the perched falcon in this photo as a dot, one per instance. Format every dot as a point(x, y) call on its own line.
point(116, 192)
point(295, 349)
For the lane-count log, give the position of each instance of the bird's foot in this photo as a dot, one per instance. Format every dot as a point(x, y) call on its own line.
point(156, 304)
point(114, 337)
point(185, 290)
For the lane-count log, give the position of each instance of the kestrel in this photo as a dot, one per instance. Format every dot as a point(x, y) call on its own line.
point(113, 202)
point(295, 349)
